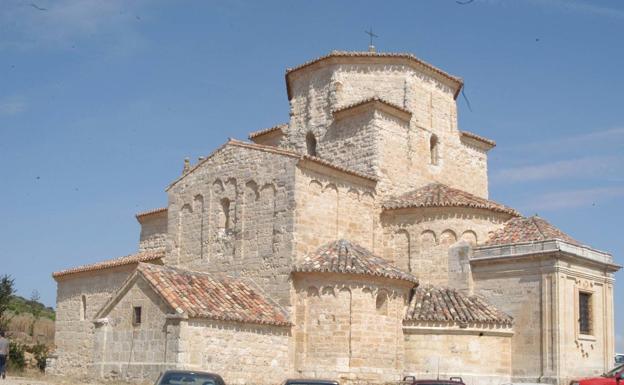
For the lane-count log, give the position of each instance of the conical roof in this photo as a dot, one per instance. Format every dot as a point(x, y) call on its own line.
point(531, 229)
point(344, 257)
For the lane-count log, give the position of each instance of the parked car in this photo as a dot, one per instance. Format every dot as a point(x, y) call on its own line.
point(309, 381)
point(188, 377)
point(612, 377)
point(619, 358)
point(411, 380)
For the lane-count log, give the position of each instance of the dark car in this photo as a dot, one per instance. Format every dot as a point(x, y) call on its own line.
point(189, 377)
point(411, 380)
point(309, 381)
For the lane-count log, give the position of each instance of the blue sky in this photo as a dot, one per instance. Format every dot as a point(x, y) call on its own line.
point(100, 101)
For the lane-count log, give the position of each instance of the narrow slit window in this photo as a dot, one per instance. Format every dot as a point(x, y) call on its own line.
point(137, 316)
point(434, 149)
point(311, 144)
point(585, 313)
point(83, 307)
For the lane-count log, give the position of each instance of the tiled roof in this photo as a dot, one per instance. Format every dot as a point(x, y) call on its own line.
point(531, 229)
point(440, 195)
point(480, 138)
point(354, 54)
point(402, 111)
point(150, 212)
point(431, 303)
point(200, 295)
point(345, 257)
point(279, 127)
point(147, 256)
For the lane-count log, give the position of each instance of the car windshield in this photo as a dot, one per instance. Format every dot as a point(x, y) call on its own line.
point(187, 379)
point(611, 373)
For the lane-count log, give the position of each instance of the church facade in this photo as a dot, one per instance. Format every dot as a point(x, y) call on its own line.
point(355, 242)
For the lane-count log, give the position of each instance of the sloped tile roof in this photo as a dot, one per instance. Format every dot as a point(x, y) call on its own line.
point(147, 256)
point(200, 295)
point(531, 229)
point(345, 257)
point(278, 127)
point(440, 195)
point(431, 303)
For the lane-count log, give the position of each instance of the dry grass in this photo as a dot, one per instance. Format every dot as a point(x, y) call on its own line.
point(20, 327)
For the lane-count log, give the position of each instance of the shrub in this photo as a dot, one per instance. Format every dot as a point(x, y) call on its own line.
point(17, 361)
point(40, 351)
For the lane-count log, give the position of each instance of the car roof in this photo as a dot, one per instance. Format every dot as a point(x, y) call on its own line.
point(191, 372)
point(440, 382)
point(310, 381)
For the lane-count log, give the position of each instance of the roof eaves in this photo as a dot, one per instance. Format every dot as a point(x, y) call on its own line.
point(334, 166)
point(130, 259)
point(143, 214)
point(265, 131)
point(488, 143)
point(381, 55)
point(407, 205)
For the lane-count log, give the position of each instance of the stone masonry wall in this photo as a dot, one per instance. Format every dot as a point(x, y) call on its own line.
point(234, 215)
point(124, 349)
point(478, 356)
point(241, 353)
point(79, 298)
point(419, 239)
point(404, 152)
point(330, 206)
point(541, 293)
point(516, 289)
point(594, 350)
point(348, 327)
point(153, 232)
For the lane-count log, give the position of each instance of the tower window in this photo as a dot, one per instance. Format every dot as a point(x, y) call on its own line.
point(434, 149)
point(311, 144)
point(136, 315)
point(585, 313)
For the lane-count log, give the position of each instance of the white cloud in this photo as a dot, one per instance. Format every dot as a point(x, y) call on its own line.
point(12, 106)
point(581, 167)
point(58, 24)
point(575, 198)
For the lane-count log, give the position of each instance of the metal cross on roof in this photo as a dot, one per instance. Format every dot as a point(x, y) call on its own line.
point(370, 33)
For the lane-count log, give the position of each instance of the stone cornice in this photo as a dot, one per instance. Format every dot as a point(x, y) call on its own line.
point(454, 328)
point(477, 141)
point(369, 104)
point(527, 249)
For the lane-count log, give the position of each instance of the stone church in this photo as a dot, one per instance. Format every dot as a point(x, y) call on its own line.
point(356, 242)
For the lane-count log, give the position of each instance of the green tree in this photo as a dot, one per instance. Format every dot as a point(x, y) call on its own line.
point(6, 293)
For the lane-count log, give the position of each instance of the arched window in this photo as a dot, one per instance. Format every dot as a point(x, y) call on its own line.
point(311, 144)
point(224, 215)
point(434, 149)
point(83, 307)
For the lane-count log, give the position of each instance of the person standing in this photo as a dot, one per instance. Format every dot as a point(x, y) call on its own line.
point(4, 354)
